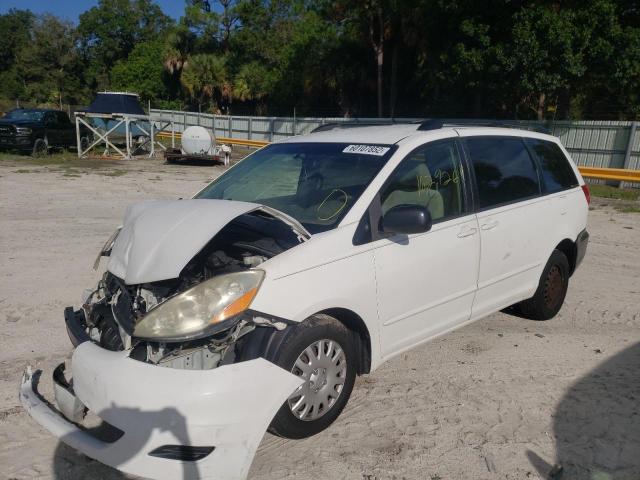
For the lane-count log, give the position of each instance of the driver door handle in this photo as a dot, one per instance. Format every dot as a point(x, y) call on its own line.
point(467, 231)
point(489, 225)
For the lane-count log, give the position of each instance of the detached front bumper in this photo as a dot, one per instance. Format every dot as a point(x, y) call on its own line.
point(164, 413)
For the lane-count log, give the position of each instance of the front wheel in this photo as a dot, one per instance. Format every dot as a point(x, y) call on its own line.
point(320, 351)
point(40, 148)
point(552, 289)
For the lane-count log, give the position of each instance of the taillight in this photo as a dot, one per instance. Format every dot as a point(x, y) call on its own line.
point(587, 193)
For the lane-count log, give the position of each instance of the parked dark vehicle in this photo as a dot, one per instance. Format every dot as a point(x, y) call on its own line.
point(37, 130)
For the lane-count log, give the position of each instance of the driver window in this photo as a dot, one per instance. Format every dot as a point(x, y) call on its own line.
point(430, 177)
point(63, 119)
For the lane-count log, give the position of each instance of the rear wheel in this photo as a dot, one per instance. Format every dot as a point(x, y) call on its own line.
point(552, 289)
point(84, 143)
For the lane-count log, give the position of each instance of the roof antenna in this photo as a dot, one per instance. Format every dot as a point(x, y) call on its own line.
point(431, 124)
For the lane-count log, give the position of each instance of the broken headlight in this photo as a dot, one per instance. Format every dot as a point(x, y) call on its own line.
point(203, 310)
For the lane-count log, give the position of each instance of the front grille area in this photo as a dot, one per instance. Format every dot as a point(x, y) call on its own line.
point(122, 308)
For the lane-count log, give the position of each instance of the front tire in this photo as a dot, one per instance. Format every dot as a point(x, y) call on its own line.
point(40, 148)
point(552, 289)
point(320, 350)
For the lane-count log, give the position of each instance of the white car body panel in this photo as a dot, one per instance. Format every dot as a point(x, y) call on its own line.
point(228, 407)
point(513, 244)
point(472, 282)
point(159, 238)
point(319, 275)
point(426, 282)
point(382, 134)
point(517, 239)
point(406, 289)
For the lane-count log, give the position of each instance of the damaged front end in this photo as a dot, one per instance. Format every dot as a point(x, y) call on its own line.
point(194, 319)
point(176, 294)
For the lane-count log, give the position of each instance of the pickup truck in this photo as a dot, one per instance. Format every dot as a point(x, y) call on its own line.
point(37, 130)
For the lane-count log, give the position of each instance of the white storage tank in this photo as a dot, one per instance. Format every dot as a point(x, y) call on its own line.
point(198, 141)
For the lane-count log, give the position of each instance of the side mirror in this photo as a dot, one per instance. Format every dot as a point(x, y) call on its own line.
point(407, 219)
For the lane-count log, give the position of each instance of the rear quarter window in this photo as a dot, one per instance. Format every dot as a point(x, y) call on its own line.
point(557, 174)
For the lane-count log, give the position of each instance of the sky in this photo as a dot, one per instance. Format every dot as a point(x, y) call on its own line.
point(71, 9)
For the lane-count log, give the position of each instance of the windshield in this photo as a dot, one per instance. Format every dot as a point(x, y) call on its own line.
point(19, 114)
point(315, 183)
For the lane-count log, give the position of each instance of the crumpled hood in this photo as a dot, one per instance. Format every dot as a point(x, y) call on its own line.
point(159, 238)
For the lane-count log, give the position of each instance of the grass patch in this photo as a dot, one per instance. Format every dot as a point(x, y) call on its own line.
point(24, 170)
point(628, 209)
point(606, 191)
point(53, 159)
point(114, 173)
point(62, 159)
point(71, 172)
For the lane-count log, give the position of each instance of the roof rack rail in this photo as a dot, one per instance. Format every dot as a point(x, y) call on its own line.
point(356, 124)
point(436, 124)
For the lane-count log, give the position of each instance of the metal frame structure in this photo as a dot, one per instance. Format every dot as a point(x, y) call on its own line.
point(106, 138)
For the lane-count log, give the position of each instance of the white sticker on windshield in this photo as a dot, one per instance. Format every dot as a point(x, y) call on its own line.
point(366, 149)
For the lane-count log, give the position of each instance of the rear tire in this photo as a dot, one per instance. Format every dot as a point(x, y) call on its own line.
point(84, 143)
point(552, 289)
point(329, 376)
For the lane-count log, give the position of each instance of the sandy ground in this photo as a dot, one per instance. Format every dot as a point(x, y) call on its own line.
point(504, 398)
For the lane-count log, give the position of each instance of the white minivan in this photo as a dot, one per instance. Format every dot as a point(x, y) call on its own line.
point(255, 304)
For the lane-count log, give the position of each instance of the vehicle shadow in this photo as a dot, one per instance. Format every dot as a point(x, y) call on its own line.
point(69, 464)
point(597, 424)
point(195, 162)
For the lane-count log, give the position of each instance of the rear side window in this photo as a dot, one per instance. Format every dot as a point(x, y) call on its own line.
point(557, 174)
point(504, 170)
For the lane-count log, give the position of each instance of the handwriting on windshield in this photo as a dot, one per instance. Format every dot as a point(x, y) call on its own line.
point(336, 208)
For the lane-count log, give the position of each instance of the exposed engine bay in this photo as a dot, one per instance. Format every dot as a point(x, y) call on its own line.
point(111, 311)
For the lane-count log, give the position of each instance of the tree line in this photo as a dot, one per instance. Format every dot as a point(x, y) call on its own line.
point(537, 59)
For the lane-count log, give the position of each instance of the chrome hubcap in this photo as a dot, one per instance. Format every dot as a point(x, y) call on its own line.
point(323, 366)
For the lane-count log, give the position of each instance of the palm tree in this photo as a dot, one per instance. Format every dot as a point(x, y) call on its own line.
point(178, 45)
point(241, 90)
point(204, 77)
